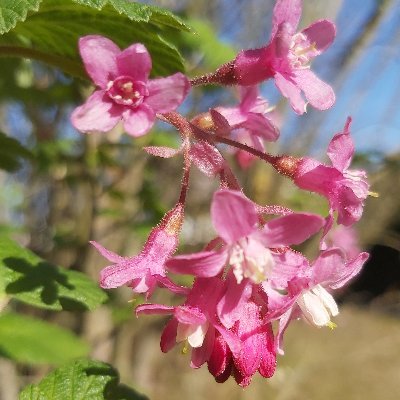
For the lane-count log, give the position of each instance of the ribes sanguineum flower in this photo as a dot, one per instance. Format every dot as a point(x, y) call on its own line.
point(307, 287)
point(195, 322)
point(145, 271)
point(287, 57)
point(346, 189)
point(246, 248)
point(257, 350)
point(124, 90)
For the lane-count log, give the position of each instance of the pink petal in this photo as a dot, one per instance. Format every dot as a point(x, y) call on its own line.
point(349, 206)
point(278, 304)
point(203, 264)
point(234, 215)
point(221, 124)
point(253, 66)
point(327, 266)
point(189, 315)
point(341, 148)
point(259, 124)
point(321, 34)
point(268, 356)
point(166, 283)
point(287, 265)
point(150, 309)
point(98, 113)
point(138, 121)
point(230, 338)
point(349, 271)
point(113, 257)
point(233, 115)
point(290, 229)
point(99, 57)
point(135, 62)
point(290, 90)
point(286, 11)
point(168, 337)
point(202, 354)
point(230, 307)
point(161, 151)
point(117, 275)
point(221, 357)
point(283, 324)
point(251, 101)
point(319, 94)
point(166, 94)
point(206, 158)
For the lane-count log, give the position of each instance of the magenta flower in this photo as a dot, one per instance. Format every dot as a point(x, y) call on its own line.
point(124, 88)
point(287, 58)
point(307, 288)
point(344, 188)
point(257, 351)
point(143, 272)
point(246, 248)
point(251, 114)
point(195, 322)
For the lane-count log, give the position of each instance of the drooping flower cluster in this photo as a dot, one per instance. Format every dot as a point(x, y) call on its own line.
point(248, 276)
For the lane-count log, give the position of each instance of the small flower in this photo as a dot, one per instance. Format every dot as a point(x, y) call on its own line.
point(252, 114)
point(307, 287)
point(195, 322)
point(246, 248)
point(287, 58)
point(143, 272)
point(344, 188)
point(124, 88)
point(257, 350)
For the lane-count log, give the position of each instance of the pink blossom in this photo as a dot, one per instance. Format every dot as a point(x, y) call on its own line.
point(344, 188)
point(246, 248)
point(143, 272)
point(195, 322)
point(252, 113)
point(287, 58)
point(124, 88)
point(257, 351)
point(308, 287)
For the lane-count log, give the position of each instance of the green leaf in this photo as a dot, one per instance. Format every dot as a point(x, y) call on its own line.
point(51, 34)
point(81, 380)
point(206, 41)
point(139, 12)
point(10, 152)
point(26, 277)
point(29, 340)
point(12, 11)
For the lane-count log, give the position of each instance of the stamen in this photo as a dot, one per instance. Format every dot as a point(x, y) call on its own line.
point(373, 194)
point(185, 347)
point(331, 325)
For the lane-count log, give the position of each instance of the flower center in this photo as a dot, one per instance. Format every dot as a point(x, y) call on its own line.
point(250, 259)
point(318, 306)
point(301, 51)
point(194, 334)
point(127, 92)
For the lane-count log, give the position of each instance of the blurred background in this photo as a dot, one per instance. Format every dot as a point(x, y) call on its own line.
point(73, 188)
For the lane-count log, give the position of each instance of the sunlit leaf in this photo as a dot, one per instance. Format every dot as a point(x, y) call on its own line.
point(26, 277)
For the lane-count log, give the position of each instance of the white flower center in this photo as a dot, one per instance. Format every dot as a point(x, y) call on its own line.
point(318, 306)
point(250, 259)
point(301, 51)
point(193, 333)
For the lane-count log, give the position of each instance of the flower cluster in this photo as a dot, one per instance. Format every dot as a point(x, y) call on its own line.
point(248, 275)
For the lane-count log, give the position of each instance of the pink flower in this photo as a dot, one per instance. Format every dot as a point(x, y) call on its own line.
point(307, 287)
point(344, 188)
point(251, 114)
point(257, 351)
point(287, 58)
point(124, 90)
point(245, 250)
point(195, 322)
point(143, 272)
